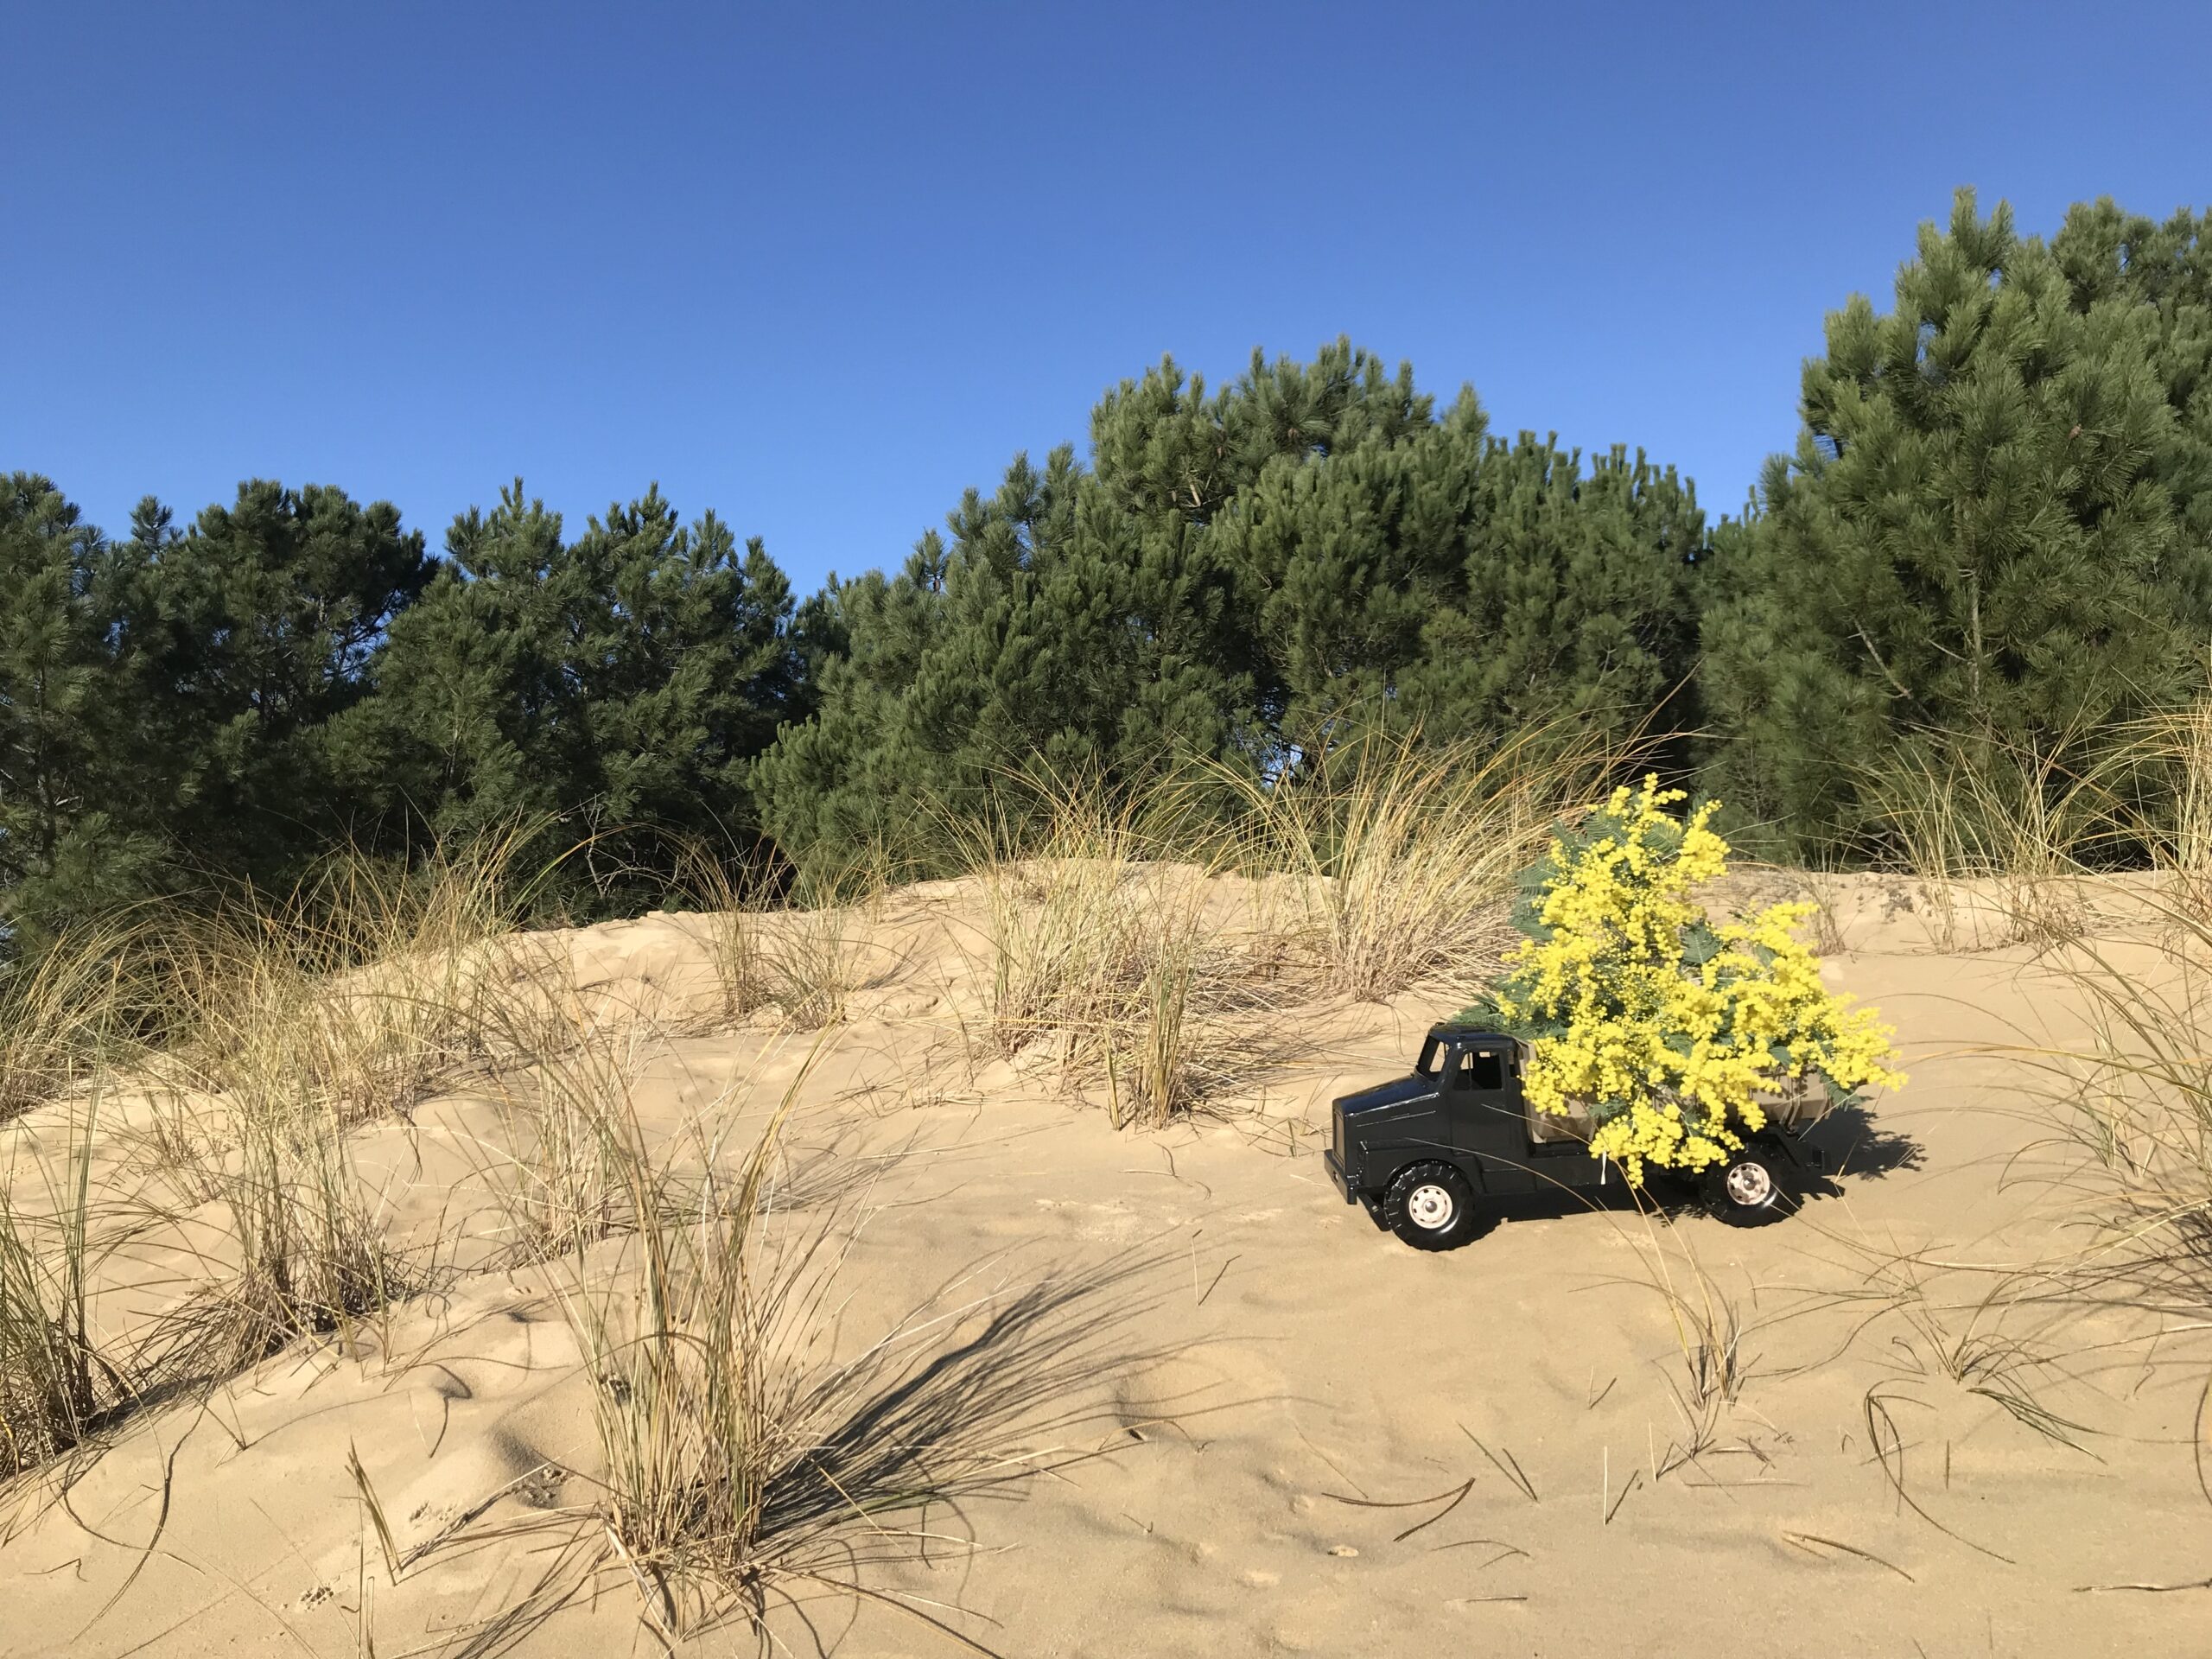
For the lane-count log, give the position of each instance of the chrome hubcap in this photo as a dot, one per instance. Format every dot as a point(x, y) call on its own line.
point(1430, 1207)
point(1749, 1184)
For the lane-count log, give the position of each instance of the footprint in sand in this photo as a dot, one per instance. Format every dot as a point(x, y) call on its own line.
point(1259, 1579)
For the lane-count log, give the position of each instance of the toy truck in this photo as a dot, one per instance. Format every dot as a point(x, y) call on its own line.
point(1423, 1152)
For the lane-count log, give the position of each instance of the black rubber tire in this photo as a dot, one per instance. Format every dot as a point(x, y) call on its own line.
point(1416, 1192)
point(1727, 1188)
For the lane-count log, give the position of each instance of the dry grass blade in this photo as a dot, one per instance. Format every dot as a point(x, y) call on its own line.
point(2151, 1589)
point(1808, 1542)
point(1451, 1499)
point(1889, 1444)
point(374, 1510)
point(2197, 1439)
point(1510, 1466)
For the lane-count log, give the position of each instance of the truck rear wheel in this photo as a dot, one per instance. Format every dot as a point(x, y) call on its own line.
point(1750, 1189)
point(1431, 1207)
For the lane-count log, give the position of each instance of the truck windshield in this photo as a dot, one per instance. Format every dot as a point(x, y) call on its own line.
point(1432, 1058)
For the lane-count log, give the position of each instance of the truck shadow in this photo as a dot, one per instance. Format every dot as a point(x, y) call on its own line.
point(1853, 1143)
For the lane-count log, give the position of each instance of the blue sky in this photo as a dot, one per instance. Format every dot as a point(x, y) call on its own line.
point(821, 266)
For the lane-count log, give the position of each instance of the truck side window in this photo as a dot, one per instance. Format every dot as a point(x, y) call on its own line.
point(1483, 1069)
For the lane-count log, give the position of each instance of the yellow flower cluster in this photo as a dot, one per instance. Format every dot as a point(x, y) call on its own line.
point(1663, 1028)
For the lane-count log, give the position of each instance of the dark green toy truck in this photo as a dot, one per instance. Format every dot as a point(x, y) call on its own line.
point(1423, 1152)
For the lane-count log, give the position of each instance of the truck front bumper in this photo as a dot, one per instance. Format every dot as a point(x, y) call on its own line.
point(1337, 1179)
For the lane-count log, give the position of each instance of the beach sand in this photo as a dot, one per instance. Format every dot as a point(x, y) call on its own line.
point(1182, 1398)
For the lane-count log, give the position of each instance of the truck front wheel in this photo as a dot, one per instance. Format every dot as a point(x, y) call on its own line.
point(1431, 1207)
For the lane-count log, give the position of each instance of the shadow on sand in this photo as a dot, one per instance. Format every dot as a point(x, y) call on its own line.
point(1851, 1144)
point(986, 1384)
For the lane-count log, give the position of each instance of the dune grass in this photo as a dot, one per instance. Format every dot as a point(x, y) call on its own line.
point(2021, 833)
point(743, 1464)
point(557, 1072)
point(2005, 834)
point(1108, 946)
point(679, 1343)
point(813, 955)
point(362, 988)
point(1064, 937)
point(800, 952)
point(727, 893)
point(1099, 949)
point(68, 1011)
point(307, 1255)
point(257, 1033)
point(57, 1381)
point(1402, 854)
point(291, 1022)
point(2176, 747)
point(2134, 1103)
point(2020, 824)
point(74, 1015)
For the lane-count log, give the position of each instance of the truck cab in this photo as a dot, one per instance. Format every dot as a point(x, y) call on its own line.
point(1419, 1152)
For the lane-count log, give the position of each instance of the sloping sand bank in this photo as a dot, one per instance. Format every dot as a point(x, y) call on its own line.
point(1180, 1399)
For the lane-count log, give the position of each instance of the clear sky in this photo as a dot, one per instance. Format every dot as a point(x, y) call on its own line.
point(820, 266)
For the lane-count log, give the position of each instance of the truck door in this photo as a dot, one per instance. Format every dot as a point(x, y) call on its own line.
point(1484, 1103)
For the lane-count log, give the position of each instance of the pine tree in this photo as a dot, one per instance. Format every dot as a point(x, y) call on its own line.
point(1236, 574)
point(1976, 541)
point(1576, 607)
point(2165, 268)
point(68, 847)
point(622, 682)
point(836, 783)
point(249, 636)
point(1445, 581)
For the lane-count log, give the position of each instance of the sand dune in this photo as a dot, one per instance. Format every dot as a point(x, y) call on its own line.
point(1176, 1396)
